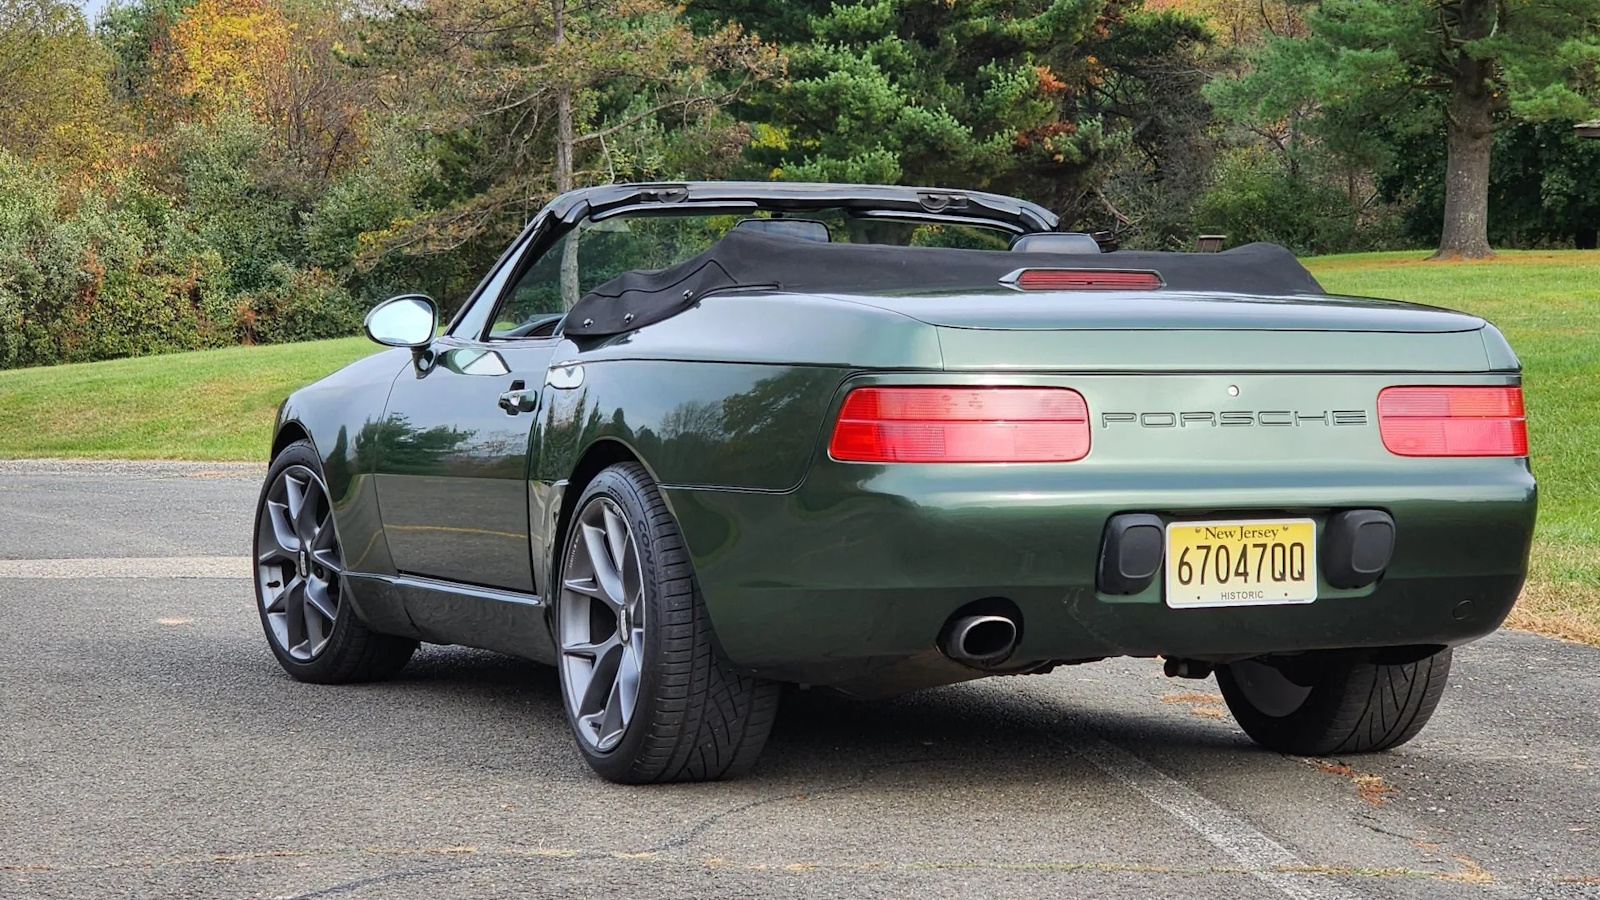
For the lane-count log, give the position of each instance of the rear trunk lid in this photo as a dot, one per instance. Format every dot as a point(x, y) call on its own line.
point(1281, 387)
point(1189, 332)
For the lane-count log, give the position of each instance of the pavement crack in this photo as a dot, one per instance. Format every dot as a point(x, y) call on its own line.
point(861, 777)
point(457, 859)
point(1413, 840)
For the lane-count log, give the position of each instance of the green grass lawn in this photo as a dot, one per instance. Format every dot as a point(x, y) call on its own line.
point(211, 405)
point(219, 404)
point(1548, 305)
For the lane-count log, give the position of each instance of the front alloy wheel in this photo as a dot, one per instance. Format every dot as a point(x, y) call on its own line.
point(301, 585)
point(298, 566)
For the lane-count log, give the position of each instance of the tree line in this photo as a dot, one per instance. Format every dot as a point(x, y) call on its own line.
point(179, 174)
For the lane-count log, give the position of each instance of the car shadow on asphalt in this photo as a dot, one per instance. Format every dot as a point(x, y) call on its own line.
point(975, 723)
point(1021, 733)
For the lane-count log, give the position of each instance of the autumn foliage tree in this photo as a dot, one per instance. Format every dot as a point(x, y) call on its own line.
point(188, 173)
point(279, 65)
point(1243, 23)
point(531, 98)
point(56, 106)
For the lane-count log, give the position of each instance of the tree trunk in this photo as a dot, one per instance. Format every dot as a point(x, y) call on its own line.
point(558, 38)
point(569, 269)
point(1469, 121)
point(1466, 193)
point(564, 177)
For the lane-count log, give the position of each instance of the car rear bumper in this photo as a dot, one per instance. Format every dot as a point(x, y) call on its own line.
point(862, 565)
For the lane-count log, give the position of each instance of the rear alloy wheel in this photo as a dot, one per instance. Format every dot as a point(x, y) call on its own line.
point(602, 626)
point(647, 692)
point(300, 585)
point(1333, 703)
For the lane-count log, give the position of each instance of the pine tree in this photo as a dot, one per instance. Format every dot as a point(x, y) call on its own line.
point(1464, 68)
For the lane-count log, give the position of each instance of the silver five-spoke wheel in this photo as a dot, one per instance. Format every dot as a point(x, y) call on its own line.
point(602, 625)
point(646, 689)
point(298, 566)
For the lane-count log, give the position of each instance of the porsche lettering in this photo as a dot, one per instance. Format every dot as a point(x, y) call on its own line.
point(1234, 418)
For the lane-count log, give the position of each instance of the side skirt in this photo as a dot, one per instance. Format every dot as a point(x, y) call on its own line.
point(446, 612)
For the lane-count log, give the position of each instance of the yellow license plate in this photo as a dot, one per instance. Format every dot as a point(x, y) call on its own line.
point(1241, 563)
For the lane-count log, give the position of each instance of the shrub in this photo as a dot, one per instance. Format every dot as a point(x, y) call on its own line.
point(1256, 198)
point(305, 306)
point(37, 272)
point(229, 206)
point(96, 273)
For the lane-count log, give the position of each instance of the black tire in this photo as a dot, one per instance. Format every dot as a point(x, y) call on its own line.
point(1351, 704)
point(695, 717)
point(352, 652)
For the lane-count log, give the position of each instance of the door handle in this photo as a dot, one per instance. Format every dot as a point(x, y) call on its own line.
point(519, 399)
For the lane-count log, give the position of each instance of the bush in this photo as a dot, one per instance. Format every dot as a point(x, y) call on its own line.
point(116, 269)
point(1256, 198)
point(37, 269)
point(1544, 187)
point(229, 205)
point(304, 306)
point(137, 293)
point(92, 274)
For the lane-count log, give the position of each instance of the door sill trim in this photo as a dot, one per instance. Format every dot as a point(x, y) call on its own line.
point(479, 592)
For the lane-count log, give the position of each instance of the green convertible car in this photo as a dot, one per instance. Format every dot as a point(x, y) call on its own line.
point(692, 442)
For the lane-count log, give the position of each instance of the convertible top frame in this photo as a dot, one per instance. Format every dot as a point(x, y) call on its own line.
point(718, 197)
point(972, 207)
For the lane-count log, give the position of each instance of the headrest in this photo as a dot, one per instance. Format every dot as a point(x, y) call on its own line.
point(802, 229)
point(1068, 242)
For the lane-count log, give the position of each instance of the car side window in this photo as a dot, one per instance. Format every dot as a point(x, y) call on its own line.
point(470, 324)
point(547, 287)
point(592, 254)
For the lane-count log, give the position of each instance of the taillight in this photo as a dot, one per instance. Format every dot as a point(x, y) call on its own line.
point(1453, 421)
point(970, 425)
point(1083, 280)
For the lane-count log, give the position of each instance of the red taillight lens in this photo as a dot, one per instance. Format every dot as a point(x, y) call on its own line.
point(1084, 280)
point(1453, 421)
point(931, 424)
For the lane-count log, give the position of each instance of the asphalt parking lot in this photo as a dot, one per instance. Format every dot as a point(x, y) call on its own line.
point(151, 747)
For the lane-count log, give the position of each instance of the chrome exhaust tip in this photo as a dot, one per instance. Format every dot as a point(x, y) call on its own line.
point(981, 640)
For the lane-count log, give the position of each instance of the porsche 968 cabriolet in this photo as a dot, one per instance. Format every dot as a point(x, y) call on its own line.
point(691, 443)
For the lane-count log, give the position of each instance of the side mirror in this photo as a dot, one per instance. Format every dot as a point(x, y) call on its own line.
point(408, 320)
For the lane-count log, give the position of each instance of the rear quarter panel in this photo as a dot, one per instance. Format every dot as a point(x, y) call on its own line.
point(730, 395)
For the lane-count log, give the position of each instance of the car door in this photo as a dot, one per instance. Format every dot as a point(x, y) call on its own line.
point(452, 467)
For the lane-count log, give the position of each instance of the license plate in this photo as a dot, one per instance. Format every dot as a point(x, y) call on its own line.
point(1241, 563)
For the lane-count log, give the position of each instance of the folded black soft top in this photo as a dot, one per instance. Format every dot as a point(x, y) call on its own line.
point(748, 259)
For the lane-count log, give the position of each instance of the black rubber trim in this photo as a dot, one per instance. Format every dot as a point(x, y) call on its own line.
point(1131, 553)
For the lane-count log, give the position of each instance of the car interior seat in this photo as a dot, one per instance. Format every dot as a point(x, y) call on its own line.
point(1064, 242)
point(803, 229)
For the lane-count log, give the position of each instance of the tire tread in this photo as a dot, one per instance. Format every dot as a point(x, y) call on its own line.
point(709, 720)
point(1356, 706)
